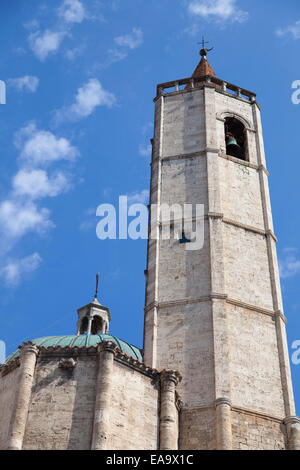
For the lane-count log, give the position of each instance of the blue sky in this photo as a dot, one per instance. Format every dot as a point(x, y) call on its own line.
point(81, 77)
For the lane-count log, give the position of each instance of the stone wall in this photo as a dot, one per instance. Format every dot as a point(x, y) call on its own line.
point(62, 407)
point(61, 411)
point(197, 429)
point(240, 193)
point(253, 432)
point(183, 124)
point(247, 276)
point(134, 419)
point(255, 368)
point(185, 343)
point(8, 387)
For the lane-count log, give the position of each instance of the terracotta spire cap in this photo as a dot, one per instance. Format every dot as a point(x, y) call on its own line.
point(203, 68)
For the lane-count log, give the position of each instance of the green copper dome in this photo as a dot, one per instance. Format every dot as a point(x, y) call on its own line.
point(83, 341)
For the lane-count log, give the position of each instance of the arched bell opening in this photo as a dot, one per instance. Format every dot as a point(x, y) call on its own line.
point(93, 325)
point(236, 138)
point(84, 325)
point(98, 325)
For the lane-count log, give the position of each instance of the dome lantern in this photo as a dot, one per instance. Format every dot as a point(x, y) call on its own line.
point(93, 318)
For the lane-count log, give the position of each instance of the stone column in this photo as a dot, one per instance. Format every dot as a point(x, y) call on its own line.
point(224, 428)
point(89, 327)
point(293, 432)
point(29, 353)
point(107, 351)
point(168, 411)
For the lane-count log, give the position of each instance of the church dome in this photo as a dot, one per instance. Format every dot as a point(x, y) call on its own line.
point(83, 341)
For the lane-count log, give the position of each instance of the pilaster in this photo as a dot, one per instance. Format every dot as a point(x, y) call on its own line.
point(28, 355)
point(293, 432)
point(101, 427)
point(168, 410)
point(224, 424)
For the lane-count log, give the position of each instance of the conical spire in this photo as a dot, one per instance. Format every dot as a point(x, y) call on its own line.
point(203, 68)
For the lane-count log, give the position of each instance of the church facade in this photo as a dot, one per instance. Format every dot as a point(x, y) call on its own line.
point(214, 372)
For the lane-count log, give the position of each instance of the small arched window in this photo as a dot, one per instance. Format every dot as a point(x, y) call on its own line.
point(97, 325)
point(84, 325)
point(236, 138)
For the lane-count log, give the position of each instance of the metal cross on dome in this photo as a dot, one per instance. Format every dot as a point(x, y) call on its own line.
point(204, 51)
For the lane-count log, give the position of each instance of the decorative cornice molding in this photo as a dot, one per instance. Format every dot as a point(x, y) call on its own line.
point(269, 233)
point(167, 376)
point(28, 347)
point(136, 365)
point(203, 153)
point(215, 296)
point(236, 409)
point(107, 346)
point(215, 215)
point(223, 401)
point(9, 367)
point(71, 352)
point(249, 228)
point(291, 420)
point(258, 414)
point(255, 308)
point(244, 163)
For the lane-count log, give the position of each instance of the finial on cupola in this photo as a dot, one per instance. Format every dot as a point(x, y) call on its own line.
point(97, 285)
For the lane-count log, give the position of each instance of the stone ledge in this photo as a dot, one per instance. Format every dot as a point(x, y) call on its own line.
point(203, 153)
point(209, 298)
point(244, 163)
point(237, 409)
point(249, 228)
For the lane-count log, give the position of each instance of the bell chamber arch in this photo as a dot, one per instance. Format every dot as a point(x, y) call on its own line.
point(236, 138)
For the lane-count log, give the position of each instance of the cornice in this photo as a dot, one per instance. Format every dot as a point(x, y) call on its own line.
point(216, 296)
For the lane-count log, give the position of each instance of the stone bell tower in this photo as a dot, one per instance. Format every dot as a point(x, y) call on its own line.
point(215, 314)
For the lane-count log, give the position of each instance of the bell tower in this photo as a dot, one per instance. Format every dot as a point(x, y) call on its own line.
point(215, 314)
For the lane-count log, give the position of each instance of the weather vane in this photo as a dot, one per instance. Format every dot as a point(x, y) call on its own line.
point(97, 283)
point(204, 51)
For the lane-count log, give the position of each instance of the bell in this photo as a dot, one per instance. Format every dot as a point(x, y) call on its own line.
point(232, 147)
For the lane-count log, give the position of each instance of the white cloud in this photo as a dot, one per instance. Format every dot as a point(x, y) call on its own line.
point(28, 82)
point(145, 150)
point(19, 212)
point(72, 11)
point(220, 10)
point(294, 30)
point(289, 265)
point(14, 270)
point(41, 147)
point(138, 197)
point(72, 54)
point(88, 97)
point(17, 218)
point(31, 25)
point(37, 184)
point(132, 40)
point(43, 44)
point(115, 55)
